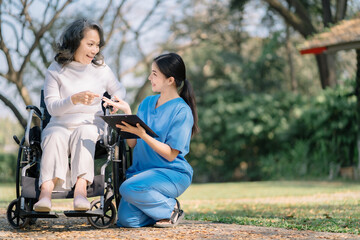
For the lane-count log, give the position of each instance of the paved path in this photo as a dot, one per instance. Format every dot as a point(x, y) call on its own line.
point(79, 228)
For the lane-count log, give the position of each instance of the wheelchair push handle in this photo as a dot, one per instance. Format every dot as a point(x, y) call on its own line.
point(36, 110)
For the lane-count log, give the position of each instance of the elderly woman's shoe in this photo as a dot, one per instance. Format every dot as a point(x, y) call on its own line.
point(43, 205)
point(81, 203)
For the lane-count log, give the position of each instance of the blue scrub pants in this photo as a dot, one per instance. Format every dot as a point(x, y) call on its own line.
point(150, 196)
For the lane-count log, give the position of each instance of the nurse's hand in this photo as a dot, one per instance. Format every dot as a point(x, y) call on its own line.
point(117, 104)
point(138, 130)
point(85, 97)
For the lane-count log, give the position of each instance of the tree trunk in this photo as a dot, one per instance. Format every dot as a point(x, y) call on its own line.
point(326, 11)
point(357, 92)
point(340, 10)
point(327, 76)
point(301, 22)
point(24, 93)
point(331, 58)
point(14, 109)
point(293, 81)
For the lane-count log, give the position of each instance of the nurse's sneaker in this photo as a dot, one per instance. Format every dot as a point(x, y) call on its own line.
point(177, 216)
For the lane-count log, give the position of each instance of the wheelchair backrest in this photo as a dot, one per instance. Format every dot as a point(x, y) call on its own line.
point(44, 111)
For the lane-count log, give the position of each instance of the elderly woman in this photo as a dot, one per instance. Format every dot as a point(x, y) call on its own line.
point(73, 88)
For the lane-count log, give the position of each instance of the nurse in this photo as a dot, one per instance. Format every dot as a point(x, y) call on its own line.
point(159, 173)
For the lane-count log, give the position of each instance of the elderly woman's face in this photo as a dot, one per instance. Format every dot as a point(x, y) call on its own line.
point(89, 47)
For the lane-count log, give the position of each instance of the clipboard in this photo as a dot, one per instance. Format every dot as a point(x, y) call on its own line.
point(114, 119)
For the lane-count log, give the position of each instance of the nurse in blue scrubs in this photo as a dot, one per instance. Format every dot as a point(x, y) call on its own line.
point(159, 173)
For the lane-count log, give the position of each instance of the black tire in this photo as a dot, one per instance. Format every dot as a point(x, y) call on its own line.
point(108, 218)
point(13, 215)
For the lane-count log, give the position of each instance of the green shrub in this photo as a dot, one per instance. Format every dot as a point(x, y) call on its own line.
point(280, 136)
point(329, 125)
point(7, 167)
point(237, 130)
point(289, 164)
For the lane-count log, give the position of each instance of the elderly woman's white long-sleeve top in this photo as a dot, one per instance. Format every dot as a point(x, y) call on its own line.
point(61, 82)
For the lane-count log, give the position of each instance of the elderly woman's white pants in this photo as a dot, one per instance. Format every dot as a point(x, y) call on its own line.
point(58, 142)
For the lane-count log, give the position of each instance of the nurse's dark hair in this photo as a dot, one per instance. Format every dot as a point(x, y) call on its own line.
point(70, 41)
point(172, 65)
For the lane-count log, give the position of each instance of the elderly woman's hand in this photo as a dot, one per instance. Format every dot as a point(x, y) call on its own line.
point(117, 104)
point(85, 97)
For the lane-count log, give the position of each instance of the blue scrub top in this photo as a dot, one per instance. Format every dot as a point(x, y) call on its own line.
point(172, 122)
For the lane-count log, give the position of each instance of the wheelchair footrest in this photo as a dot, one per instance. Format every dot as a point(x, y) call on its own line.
point(33, 214)
point(94, 213)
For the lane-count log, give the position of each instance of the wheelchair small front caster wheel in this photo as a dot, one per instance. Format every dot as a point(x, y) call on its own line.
point(108, 218)
point(13, 215)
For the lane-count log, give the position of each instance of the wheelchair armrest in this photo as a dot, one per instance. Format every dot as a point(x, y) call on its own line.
point(36, 110)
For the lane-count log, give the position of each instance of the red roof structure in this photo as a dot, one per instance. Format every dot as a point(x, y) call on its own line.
point(343, 36)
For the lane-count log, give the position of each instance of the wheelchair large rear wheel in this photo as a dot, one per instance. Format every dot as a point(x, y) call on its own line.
point(108, 218)
point(13, 215)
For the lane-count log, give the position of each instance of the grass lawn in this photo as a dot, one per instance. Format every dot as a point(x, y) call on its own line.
point(317, 206)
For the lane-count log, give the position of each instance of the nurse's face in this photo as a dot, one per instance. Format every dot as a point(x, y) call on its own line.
point(159, 82)
point(89, 47)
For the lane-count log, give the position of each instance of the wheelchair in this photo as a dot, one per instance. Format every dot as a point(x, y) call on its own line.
point(111, 148)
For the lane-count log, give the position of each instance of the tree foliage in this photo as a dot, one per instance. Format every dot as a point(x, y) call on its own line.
point(18, 45)
point(29, 30)
point(254, 124)
point(246, 109)
point(309, 17)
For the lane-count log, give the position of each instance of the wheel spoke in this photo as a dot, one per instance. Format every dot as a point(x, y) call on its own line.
point(13, 215)
point(97, 219)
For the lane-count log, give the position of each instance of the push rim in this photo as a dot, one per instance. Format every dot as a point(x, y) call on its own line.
point(108, 218)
